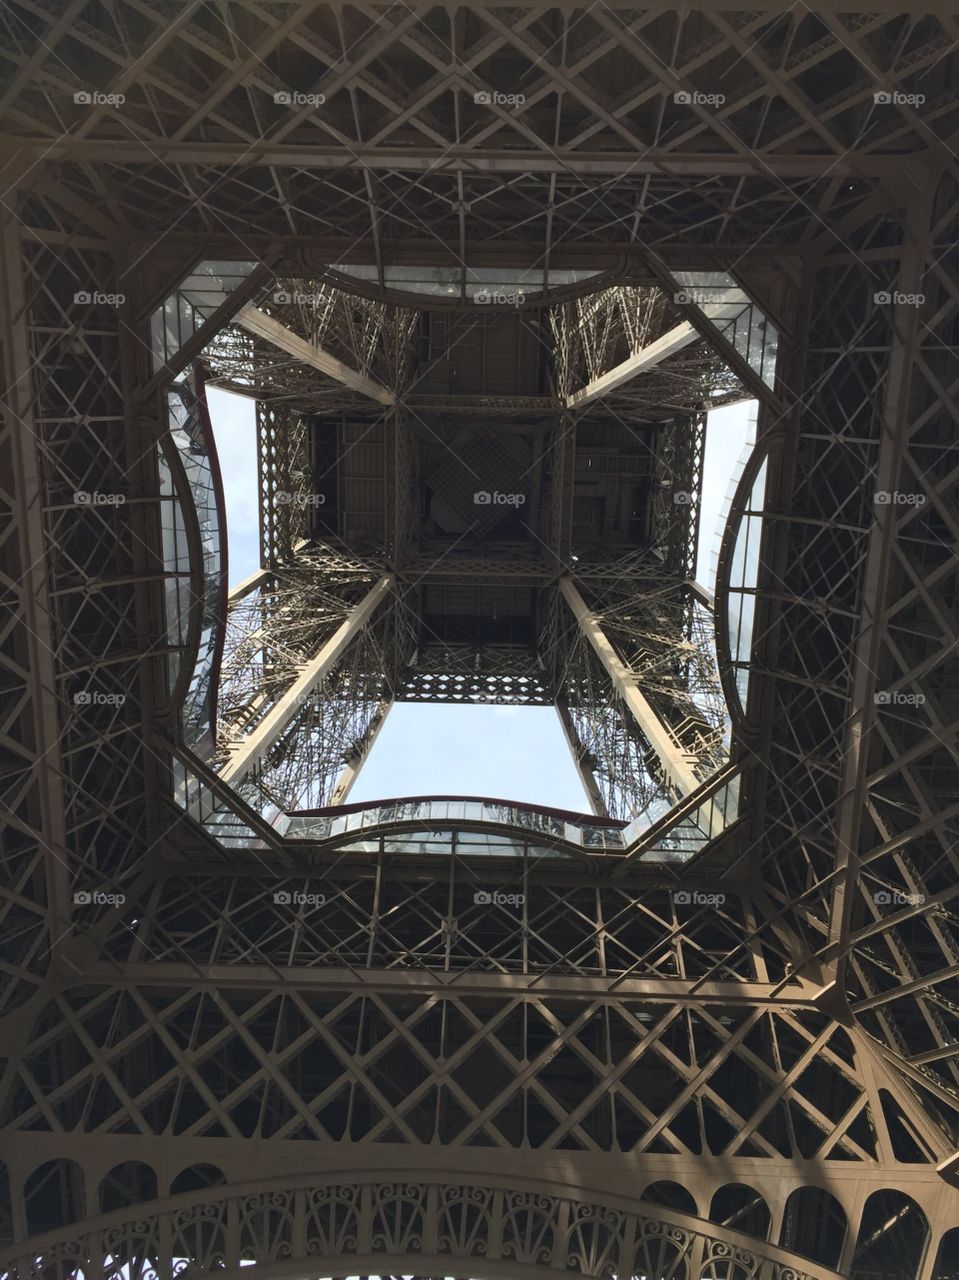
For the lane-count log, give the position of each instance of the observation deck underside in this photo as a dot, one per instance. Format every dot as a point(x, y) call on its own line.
point(484, 270)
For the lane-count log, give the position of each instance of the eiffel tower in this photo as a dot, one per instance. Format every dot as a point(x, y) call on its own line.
point(484, 271)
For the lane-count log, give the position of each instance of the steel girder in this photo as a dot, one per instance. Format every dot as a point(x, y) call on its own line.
point(854, 727)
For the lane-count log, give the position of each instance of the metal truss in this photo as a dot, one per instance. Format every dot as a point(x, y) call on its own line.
point(612, 1073)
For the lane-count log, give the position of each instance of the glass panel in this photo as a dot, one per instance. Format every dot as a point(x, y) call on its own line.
point(736, 317)
point(193, 301)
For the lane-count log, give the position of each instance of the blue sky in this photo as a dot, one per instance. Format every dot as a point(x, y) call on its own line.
point(515, 753)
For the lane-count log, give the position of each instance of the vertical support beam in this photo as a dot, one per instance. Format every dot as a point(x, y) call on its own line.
point(676, 764)
point(249, 752)
point(878, 563)
point(561, 496)
point(351, 771)
point(18, 408)
point(579, 754)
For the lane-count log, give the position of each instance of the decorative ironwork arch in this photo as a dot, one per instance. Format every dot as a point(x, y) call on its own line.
point(417, 1225)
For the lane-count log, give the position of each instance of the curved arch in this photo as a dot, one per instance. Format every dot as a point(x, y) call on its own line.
point(893, 1233)
point(737, 1205)
point(439, 1224)
point(947, 1255)
point(670, 1195)
point(196, 1178)
point(53, 1196)
point(368, 287)
point(127, 1184)
point(814, 1225)
point(728, 547)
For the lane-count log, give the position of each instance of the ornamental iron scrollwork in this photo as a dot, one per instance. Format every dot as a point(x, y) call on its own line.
point(220, 1228)
point(465, 1221)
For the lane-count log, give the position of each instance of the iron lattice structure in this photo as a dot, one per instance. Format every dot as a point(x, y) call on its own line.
point(512, 1043)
